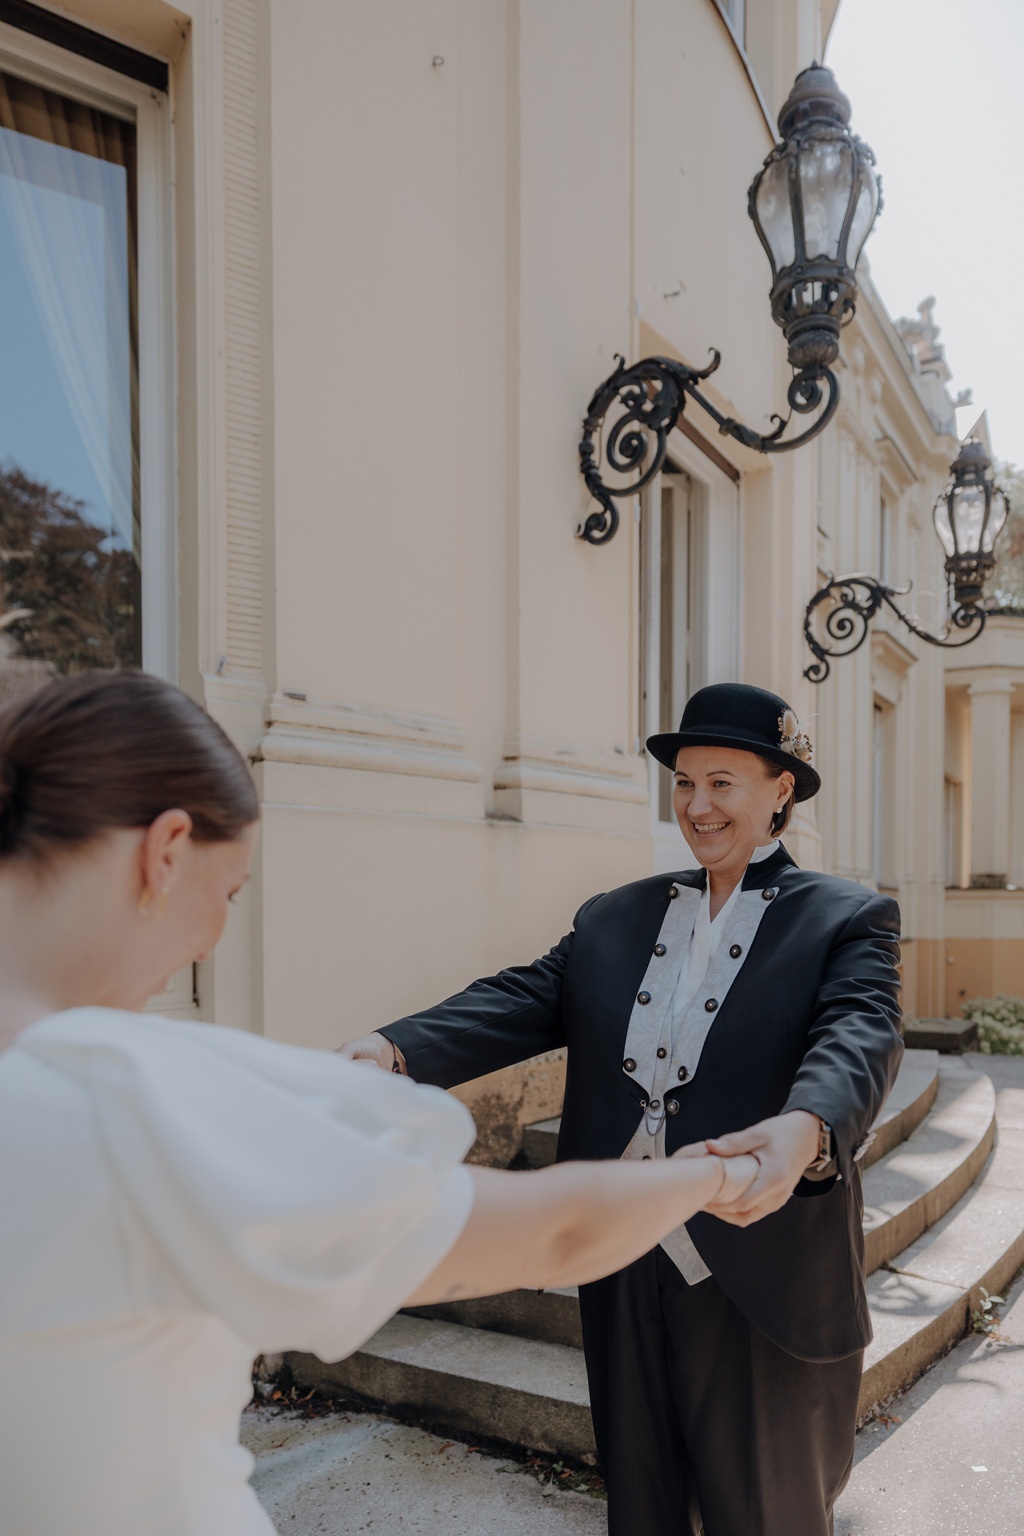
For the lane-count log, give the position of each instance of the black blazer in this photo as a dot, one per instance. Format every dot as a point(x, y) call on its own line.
point(810, 1022)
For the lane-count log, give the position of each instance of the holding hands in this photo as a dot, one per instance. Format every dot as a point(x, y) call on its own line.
point(783, 1148)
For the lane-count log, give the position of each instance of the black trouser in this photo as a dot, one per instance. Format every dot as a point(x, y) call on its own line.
point(702, 1423)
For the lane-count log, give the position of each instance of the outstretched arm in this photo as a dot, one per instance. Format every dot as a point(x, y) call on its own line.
point(576, 1222)
point(494, 1023)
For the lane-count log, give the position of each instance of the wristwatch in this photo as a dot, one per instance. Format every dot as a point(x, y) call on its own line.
point(825, 1147)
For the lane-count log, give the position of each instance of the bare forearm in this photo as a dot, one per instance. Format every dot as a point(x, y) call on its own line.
point(567, 1225)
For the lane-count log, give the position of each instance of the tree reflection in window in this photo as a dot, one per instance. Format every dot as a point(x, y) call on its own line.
point(67, 598)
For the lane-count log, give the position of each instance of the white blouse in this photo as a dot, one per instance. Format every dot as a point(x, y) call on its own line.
point(174, 1199)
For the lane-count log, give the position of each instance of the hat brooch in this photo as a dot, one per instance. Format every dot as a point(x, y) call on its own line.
point(793, 739)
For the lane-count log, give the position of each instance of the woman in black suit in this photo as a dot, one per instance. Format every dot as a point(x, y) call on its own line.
point(753, 1005)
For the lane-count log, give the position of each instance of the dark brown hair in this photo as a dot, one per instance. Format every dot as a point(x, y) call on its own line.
point(781, 819)
point(98, 750)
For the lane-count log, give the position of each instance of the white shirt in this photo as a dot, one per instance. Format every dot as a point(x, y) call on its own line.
point(707, 935)
point(649, 1138)
point(174, 1199)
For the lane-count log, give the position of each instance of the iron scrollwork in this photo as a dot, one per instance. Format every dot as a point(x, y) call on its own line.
point(652, 394)
point(856, 599)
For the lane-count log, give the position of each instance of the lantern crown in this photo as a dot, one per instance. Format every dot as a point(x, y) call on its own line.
point(815, 97)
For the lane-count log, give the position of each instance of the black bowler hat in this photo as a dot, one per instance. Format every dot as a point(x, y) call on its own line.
point(748, 720)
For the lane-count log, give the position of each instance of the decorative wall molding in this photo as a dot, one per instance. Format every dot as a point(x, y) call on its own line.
point(537, 763)
point(372, 738)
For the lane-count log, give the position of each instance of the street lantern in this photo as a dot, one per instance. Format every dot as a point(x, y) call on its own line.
point(968, 516)
point(813, 204)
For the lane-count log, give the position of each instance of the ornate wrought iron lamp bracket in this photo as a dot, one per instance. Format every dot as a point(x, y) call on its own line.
point(856, 600)
point(653, 394)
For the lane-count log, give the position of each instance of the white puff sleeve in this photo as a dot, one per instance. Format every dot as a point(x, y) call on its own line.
point(299, 1197)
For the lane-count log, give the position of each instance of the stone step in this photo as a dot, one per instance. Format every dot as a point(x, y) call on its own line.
point(901, 1196)
point(911, 1098)
point(909, 1188)
point(517, 1390)
point(510, 1368)
point(533, 1393)
point(922, 1301)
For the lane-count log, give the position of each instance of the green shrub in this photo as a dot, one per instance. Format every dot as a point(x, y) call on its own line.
point(1000, 1022)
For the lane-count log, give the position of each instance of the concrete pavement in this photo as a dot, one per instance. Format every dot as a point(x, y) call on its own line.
point(348, 1475)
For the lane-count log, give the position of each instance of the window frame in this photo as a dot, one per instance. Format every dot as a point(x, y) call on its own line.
point(714, 618)
point(70, 74)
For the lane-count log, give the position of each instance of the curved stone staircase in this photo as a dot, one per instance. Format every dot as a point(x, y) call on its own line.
point(944, 1218)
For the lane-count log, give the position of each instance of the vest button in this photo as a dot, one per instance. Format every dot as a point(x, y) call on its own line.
point(662, 1053)
point(711, 1005)
point(659, 950)
point(629, 1065)
point(655, 1103)
point(769, 893)
point(672, 1106)
point(643, 998)
point(673, 892)
point(736, 951)
point(683, 1074)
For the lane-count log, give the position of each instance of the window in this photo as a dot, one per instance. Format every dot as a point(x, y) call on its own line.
point(884, 540)
point(883, 867)
point(670, 555)
point(86, 527)
point(953, 817)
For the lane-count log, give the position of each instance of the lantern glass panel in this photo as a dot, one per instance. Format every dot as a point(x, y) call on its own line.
point(826, 186)
point(864, 218)
point(775, 213)
point(969, 518)
point(996, 519)
point(944, 528)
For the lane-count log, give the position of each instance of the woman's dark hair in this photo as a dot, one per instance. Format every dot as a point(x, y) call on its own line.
point(781, 819)
point(98, 750)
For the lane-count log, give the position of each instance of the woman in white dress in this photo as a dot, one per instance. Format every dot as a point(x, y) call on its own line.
point(175, 1198)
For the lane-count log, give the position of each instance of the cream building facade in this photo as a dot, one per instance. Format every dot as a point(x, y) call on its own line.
point(385, 254)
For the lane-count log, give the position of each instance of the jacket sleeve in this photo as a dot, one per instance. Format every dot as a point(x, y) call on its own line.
point(494, 1023)
point(854, 1045)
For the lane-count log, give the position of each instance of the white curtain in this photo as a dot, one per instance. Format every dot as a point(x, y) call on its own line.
point(69, 214)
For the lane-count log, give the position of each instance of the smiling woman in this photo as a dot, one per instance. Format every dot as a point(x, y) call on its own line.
point(752, 1005)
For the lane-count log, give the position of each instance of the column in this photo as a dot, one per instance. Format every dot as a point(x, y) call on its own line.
point(990, 781)
point(1016, 870)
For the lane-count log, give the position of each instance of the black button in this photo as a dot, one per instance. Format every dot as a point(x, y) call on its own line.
point(655, 1103)
point(770, 893)
point(659, 950)
point(683, 1074)
point(643, 998)
point(662, 1053)
point(711, 1005)
point(672, 1106)
point(736, 951)
point(673, 892)
point(629, 1065)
